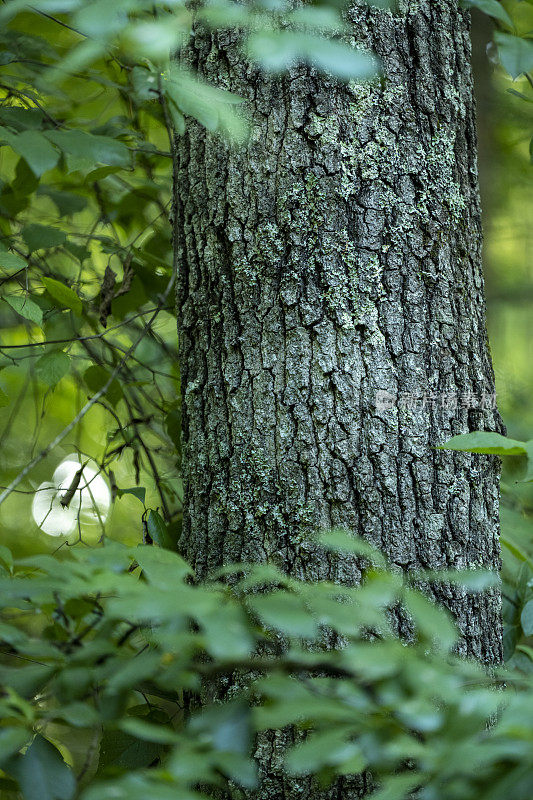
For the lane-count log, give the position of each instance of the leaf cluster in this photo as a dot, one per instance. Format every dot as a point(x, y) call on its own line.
point(118, 645)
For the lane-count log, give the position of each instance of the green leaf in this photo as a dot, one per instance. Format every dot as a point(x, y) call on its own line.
point(226, 632)
point(284, 612)
point(516, 53)
point(137, 491)
point(119, 749)
point(255, 575)
point(41, 237)
point(144, 83)
point(132, 671)
point(67, 203)
point(485, 442)
point(25, 307)
point(42, 774)
point(341, 541)
point(186, 101)
point(11, 263)
point(6, 557)
point(79, 715)
point(162, 567)
point(521, 95)
point(493, 8)
point(148, 603)
point(527, 650)
point(526, 618)
point(224, 15)
point(511, 635)
point(328, 748)
point(26, 681)
point(398, 787)
point(239, 768)
point(96, 378)
point(178, 120)
point(473, 580)
point(276, 50)
point(226, 728)
point(4, 399)
point(158, 530)
point(420, 715)
point(63, 294)
point(99, 18)
point(341, 60)
point(25, 182)
point(153, 39)
point(432, 622)
point(51, 367)
point(34, 148)
point(137, 786)
point(88, 147)
point(207, 104)
point(21, 118)
point(11, 740)
point(148, 731)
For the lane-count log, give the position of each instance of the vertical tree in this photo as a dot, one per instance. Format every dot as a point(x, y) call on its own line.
point(331, 314)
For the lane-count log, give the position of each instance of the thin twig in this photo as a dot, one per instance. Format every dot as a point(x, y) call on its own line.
point(94, 399)
point(85, 338)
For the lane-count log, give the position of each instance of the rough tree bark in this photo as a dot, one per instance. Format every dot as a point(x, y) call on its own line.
point(335, 257)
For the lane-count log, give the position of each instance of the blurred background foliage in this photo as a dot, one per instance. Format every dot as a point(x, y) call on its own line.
point(99, 206)
point(505, 129)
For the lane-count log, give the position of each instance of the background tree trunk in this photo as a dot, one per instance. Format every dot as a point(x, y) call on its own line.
point(335, 257)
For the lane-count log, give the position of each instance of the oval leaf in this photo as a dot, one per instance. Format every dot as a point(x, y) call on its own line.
point(51, 367)
point(485, 442)
point(526, 618)
point(26, 308)
point(63, 294)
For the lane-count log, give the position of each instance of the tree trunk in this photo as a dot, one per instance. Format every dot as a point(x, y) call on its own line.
point(331, 315)
point(332, 323)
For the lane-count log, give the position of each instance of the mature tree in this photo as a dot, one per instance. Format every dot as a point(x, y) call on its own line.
point(334, 258)
point(331, 314)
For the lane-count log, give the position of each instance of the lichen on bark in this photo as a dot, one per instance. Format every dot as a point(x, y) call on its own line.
point(335, 256)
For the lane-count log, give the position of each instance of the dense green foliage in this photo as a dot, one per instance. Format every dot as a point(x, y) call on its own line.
point(116, 643)
point(106, 650)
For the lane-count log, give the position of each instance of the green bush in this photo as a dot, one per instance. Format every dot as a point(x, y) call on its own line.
point(108, 652)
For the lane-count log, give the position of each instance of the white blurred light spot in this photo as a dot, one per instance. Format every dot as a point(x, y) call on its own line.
point(90, 503)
